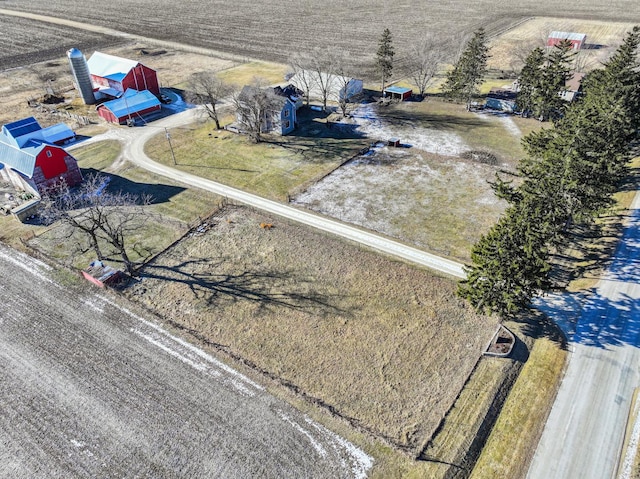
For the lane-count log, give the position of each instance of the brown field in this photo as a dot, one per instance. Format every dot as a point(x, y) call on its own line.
point(23, 42)
point(274, 30)
point(385, 344)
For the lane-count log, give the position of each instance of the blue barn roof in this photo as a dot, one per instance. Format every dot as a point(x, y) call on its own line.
point(397, 90)
point(131, 103)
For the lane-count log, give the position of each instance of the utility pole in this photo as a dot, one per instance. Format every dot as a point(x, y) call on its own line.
point(170, 146)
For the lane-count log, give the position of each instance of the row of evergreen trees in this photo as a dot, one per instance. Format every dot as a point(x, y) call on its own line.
point(568, 176)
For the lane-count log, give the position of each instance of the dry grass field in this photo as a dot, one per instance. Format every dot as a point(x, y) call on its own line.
point(603, 38)
point(388, 346)
point(274, 30)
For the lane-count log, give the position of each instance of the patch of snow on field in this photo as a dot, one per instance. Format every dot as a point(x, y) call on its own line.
point(238, 380)
point(29, 264)
point(93, 305)
point(505, 119)
point(361, 461)
point(426, 139)
point(322, 452)
point(360, 191)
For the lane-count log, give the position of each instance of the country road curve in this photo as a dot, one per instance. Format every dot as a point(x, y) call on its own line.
point(583, 437)
point(89, 388)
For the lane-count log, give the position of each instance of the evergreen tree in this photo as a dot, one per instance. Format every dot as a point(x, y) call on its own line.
point(464, 80)
point(547, 97)
point(569, 175)
point(384, 57)
point(529, 81)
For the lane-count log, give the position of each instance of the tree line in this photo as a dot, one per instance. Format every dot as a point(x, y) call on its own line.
point(568, 177)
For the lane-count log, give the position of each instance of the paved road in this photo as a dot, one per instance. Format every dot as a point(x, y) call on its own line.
point(90, 389)
point(584, 434)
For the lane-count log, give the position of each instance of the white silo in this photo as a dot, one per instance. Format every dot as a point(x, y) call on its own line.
point(80, 71)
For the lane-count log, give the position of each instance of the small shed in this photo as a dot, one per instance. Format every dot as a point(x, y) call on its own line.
point(398, 93)
point(577, 40)
point(102, 275)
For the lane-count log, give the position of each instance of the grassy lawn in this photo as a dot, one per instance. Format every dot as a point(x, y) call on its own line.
point(173, 208)
point(388, 346)
point(515, 435)
point(274, 168)
point(246, 73)
point(478, 131)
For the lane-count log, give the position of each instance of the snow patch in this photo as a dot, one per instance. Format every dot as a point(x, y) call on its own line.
point(361, 461)
point(322, 452)
point(426, 139)
point(238, 380)
point(31, 265)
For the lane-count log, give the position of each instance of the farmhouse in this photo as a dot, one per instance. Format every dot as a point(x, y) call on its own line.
point(281, 117)
point(129, 107)
point(339, 87)
point(32, 161)
point(112, 76)
point(577, 39)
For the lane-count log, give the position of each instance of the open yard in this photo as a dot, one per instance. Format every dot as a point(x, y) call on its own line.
point(386, 345)
point(429, 191)
point(276, 168)
point(173, 209)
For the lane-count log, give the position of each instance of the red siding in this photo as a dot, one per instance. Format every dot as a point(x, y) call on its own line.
point(577, 44)
point(105, 113)
point(142, 78)
point(51, 161)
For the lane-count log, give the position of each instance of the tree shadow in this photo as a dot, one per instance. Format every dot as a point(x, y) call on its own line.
point(160, 193)
point(267, 288)
point(608, 315)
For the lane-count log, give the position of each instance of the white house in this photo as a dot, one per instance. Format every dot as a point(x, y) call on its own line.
point(339, 87)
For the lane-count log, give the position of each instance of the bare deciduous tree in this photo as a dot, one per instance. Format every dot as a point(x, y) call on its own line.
point(104, 218)
point(344, 74)
point(301, 64)
point(255, 107)
point(425, 59)
point(323, 68)
point(206, 89)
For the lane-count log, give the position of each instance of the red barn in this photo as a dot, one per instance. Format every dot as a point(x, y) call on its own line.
point(577, 39)
point(31, 163)
point(131, 106)
point(115, 75)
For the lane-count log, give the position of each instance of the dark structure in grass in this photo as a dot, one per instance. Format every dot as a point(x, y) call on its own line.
point(103, 275)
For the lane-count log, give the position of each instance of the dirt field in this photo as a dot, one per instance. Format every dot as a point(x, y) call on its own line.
point(272, 31)
point(384, 344)
point(91, 387)
point(509, 49)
